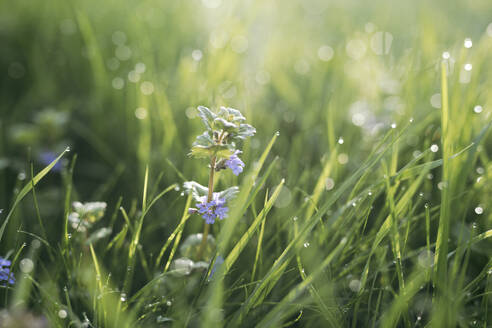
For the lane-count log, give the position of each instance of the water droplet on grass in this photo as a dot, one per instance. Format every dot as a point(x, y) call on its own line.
point(434, 148)
point(26, 265)
point(62, 314)
point(329, 183)
point(478, 210)
point(478, 109)
point(306, 244)
point(340, 141)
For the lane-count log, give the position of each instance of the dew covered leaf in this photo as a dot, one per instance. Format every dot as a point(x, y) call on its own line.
point(229, 193)
point(224, 124)
point(207, 116)
point(244, 131)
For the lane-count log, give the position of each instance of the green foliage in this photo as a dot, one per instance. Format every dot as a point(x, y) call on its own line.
point(370, 208)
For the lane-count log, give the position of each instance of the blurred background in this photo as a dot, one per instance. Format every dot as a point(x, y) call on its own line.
point(119, 81)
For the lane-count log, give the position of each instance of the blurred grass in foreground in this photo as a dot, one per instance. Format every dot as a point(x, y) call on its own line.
point(383, 218)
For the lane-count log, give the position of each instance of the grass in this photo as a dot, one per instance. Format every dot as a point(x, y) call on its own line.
point(365, 200)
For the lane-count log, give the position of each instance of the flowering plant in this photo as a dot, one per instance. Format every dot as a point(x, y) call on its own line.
point(218, 143)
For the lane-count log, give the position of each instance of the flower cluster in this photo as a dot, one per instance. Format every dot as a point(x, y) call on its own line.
point(212, 210)
point(86, 214)
point(235, 163)
point(6, 276)
point(218, 143)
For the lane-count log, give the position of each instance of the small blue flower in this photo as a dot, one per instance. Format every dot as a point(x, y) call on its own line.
point(5, 274)
point(47, 157)
point(212, 210)
point(235, 163)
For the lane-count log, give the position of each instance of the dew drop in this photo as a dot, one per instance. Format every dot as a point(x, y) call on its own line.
point(478, 109)
point(67, 149)
point(468, 67)
point(468, 43)
point(340, 141)
point(434, 148)
point(295, 218)
point(411, 120)
point(329, 183)
point(277, 133)
point(393, 125)
point(62, 314)
point(478, 210)
point(123, 297)
point(446, 55)
point(169, 303)
point(26, 265)
point(426, 205)
point(306, 244)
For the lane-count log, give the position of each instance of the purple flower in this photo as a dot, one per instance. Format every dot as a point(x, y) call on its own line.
point(5, 274)
point(212, 210)
point(47, 157)
point(235, 163)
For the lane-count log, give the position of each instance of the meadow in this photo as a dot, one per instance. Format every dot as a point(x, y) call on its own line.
point(365, 199)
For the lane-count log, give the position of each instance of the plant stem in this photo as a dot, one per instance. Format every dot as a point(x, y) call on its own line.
point(206, 227)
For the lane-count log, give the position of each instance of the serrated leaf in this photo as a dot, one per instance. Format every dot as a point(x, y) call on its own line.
point(207, 116)
point(204, 140)
point(225, 153)
point(200, 151)
point(197, 190)
point(229, 193)
point(231, 114)
point(224, 124)
point(244, 131)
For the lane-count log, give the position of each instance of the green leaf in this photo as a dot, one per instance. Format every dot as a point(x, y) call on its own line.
point(224, 124)
point(244, 131)
point(200, 152)
point(229, 193)
point(207, 116)
point(204, 140)
point(28, 188)
point(231, 114)
point(196, 189)
point(198, 192)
